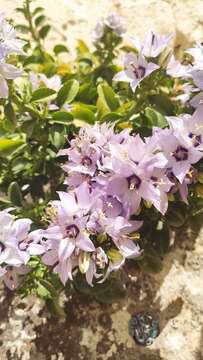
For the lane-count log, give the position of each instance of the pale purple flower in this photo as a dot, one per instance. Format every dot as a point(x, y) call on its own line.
point(136, 68)
point(12, 233)
point(9, 44)
point(190, 178)
point(133, 165)
point(188, 89)
point(69, 223)
point(7, 72)
point(98, 260)
point(10, 275)
point(13, 256)
point(114, 22)
point(37, 80)
point(197, 100)
point(153, 44)
point(119, 230)
point(197, 53)
point(189, 128)
point(176, 69)
point(197, 77)
point(98, 31)
point(180, 155)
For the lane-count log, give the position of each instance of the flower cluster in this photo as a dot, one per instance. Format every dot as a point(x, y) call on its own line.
point(93, 225)
point(111, 175)
point(192, 73)
point(9, 44)
point(17, 244)
point(113, 22)
point(136, 66)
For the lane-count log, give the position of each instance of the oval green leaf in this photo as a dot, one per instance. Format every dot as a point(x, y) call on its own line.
point(68, 92)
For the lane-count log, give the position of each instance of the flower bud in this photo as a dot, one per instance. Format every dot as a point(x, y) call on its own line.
point(164, 58)
point(84, 261)
point(134, 236)
point(114, 255)
point(147, 204)
point(102, 238)
point(171, 197)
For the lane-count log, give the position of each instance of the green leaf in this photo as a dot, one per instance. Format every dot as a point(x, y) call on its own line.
point(42, 93)
point(107, 101)
point(151, 261)
point(60, 48)
point(111, 117)
point(82, 48)
point(80, 112)
point(5, 201)
point(111, 290)
point(106, 92)
point(87, 93)
point(33, 59)
point(177, 214)
point(22, 28)
point(15, 194)
point(21, 10)
point(37, 10)
point(61, 117)
point(10, 114)
point(43, 32)
point(162, 103)
point(68, 92)
point(8, 146)
point(57, 135)
point(39, 20)
point(155, 118)
point(43, 292)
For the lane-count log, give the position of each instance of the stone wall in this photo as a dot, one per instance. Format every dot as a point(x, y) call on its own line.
point(74, 19)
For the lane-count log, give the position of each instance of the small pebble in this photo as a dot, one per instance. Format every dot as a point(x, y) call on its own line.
point(143, 328)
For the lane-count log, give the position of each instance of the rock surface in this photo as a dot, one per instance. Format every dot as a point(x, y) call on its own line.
point(92, 331)
point(75, 19)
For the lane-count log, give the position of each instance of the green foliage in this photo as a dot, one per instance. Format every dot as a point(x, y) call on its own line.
point(112, 290)
point(37, 121)
point(68, 92)
point(42, 93)
point(15, 194)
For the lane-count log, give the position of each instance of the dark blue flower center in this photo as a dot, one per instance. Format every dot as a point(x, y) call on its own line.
point(2, 246)
point(86, 161)
point(197, 139)
point(139, 71)
point(181, 153)
point(72, 231)
point(134, 182)
point(155, 180)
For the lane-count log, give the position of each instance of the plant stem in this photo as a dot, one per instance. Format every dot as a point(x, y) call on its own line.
point(29, 19)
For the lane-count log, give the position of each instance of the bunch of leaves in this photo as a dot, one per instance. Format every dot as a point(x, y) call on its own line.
point(31, 133)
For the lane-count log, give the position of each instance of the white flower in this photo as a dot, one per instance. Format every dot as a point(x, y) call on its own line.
point(9, 44)
point(52, 83)
point(114, 22)
point(197, 53)
point(176, 69)
point(98, 31)
point(12, 234)
point(7, 72)
point(153, 44)
point(136, 69)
